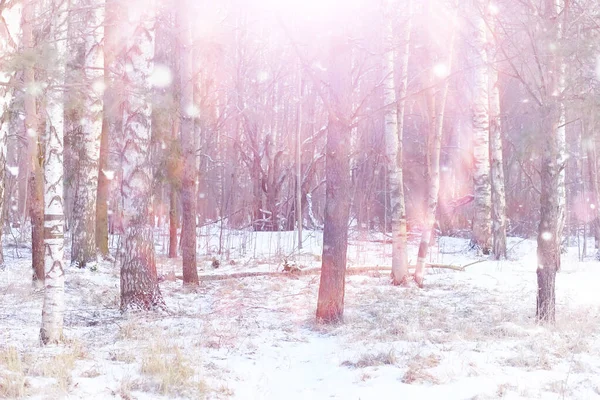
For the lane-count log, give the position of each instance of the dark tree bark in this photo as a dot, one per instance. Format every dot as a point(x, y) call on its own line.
point(548, 239)
point(188, 146)
point(330, 304)
point(35, 179)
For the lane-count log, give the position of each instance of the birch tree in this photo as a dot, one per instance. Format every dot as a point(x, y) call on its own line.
point(139, 281)
point(394, 126)
point(9, 40)
point(482, 224)
point(83, 249)
point(496, 158)
point(54, 219)
point(436, 104)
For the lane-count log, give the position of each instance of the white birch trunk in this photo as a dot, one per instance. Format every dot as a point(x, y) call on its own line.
point(497, 163)
point(9, 37)
point(83, 250)
point(394, 120)
point(139, 282)
point(54, 219)
point(437, 106)
point(482, 223)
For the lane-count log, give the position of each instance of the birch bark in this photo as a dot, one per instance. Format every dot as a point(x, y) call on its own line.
point(497, 162)
point(139, 281)
point(9, 37)
point(83, 249)
point(482, 223)
point(437, 106)
point(394, 126)
point(54, 219)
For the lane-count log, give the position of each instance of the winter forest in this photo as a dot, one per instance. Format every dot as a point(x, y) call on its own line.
point(302, 199)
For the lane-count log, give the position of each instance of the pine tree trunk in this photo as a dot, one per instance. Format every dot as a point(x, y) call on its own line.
point(109, 114)
point(394, 122)
point(482, 223)
point(54, 219)
point(497, 163)
point(330, 303)
point(190, 173)
point(139, 281)
point(35, 180)
point(83, 248)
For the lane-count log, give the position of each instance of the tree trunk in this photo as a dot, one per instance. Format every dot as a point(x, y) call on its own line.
point(83, 248)
point(111, 108)
point(436, 106)
point(54, 219)
point(190, 173)
point(139, 281)
point(548, 240)
point(35, 182)
point(298, 161)
point(7, 48)
point(330, 303)
point(482, 223)
point(394, 124)
point(552, 183)
point(497, 163)
point(589, 145)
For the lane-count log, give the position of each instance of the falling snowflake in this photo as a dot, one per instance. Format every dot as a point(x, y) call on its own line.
point(262, 76)
point(13, 170)
point(98, 86)
point(110, 175)
point(192, 111)
point(441, 70)
point(546, 235)
point(493, 9)
point(161, 76)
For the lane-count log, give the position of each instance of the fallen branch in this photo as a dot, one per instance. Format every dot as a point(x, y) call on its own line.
point(316, 271)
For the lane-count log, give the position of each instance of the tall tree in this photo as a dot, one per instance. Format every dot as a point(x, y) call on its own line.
point(394, 127)
point(437, 95)
point(89, 14)
point(9, 40)
point(54, 219)
point(33, 147)
point(139, 281)
point(330, 303)
point(496, 158)
point(482, 223)
point(551, 203)
point(188, 145)
point(110, 113)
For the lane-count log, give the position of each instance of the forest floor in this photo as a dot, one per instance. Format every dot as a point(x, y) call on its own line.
point(466, 335)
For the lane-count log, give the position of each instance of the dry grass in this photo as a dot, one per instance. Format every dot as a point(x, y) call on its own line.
point(373, 360)
point(60, 366)
point(417, 370)
point(171, 371)
point(12, 374)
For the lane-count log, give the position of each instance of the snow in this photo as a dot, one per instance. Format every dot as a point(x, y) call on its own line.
point(161, 76)
point(466, 335)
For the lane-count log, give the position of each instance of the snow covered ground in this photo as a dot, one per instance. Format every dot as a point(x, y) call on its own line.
point(466, 335)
